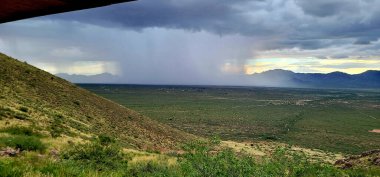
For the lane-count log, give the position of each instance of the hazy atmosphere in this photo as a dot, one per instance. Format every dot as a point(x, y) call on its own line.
point(201, 42)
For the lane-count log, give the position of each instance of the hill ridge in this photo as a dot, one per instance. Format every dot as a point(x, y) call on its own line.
point(337, 79)
point(79, 113)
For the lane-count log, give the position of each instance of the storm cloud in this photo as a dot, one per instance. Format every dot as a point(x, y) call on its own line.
point(294, 20)
point(197, 41)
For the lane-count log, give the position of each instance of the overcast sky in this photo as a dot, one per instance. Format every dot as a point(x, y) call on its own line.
point(201, 41)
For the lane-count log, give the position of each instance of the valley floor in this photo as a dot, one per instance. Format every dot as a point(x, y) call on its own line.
point(340, 121)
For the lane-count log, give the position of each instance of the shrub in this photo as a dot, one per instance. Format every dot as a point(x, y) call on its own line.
point(23, 109)
point(23, 142)
point(16, 130)
point(77, 103)
point(96, 156)
point(105, 140)
point(199, 161)
point(20, 116)
point(202, 160)
point(8, 169)
point(56, 128)
point(7, 112)
point(153, 169)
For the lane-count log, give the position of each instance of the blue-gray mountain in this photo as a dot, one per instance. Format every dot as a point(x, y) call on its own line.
point(284, 78)
point(271, 78)
point(105, 78)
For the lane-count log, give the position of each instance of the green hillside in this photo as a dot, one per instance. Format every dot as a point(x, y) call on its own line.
point(63, 111)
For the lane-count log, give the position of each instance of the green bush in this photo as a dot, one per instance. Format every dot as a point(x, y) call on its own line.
point(200, 161)
point(96, 156)
point(16, 130)
point(153, 169)
point(105, 140)
point(11, 169)
point(56, 127)
point(23, 109)
point(5, 112)
point(20, 116)
point(23, 142)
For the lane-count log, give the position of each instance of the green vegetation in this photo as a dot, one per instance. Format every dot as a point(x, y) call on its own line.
point(24, 109)
point(56, 128)
point(96, 155)
point(332, 120)
point(17, 130)
point(200, 159)
point(22, 142)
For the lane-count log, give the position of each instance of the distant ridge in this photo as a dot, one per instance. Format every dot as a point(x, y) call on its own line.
point(285, 78)
point(106, 78)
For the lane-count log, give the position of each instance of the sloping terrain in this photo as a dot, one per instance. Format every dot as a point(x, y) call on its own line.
point(57, 108)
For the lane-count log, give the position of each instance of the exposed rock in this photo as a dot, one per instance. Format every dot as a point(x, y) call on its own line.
point(54, 153)
point(376, 161)
point(365, 159)
point(8, 151)
point(367, 153)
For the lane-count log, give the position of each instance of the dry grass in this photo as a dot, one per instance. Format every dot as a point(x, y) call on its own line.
point(266, 148)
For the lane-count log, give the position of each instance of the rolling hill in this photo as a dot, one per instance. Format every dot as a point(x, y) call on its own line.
point(284, 78)
point(57, 108)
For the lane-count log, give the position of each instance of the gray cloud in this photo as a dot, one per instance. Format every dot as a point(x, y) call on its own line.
point(293, 20)
point(326, 8)
point(191, 41)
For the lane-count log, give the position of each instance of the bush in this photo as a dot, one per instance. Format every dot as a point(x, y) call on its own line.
point(106, 140)
point(16, 130)
point(77, 103)
point(153, 169)
point(8, 169)
point(199, 161)
point(56, 128)
point(202, 160)
point(96, 156)
point(22, 142)
point(5, 112)
point(21, 116)
point(24, 109)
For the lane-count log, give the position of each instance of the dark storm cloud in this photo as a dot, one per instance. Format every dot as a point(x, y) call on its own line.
point(219, 16)
point(297, 22)
point(362, 41)
point(325, 8)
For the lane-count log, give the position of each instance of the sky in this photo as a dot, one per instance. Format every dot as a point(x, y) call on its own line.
point(201, 41)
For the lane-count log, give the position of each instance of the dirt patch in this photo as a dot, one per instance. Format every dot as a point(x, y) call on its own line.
point(375, 131)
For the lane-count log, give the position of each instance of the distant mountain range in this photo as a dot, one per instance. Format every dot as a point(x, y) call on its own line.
point(98, 78)
point(285, 78)
point(271, 78)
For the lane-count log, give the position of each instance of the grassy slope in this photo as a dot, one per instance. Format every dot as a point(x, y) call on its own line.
point(32, 97)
